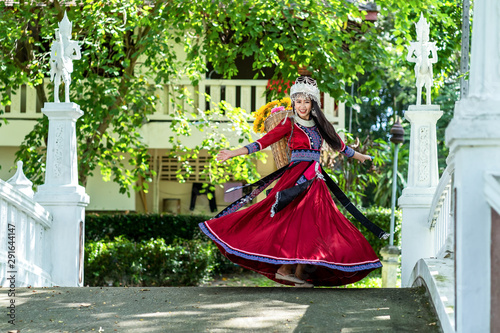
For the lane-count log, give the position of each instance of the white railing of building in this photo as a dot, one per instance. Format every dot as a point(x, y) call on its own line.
point(246, 94)
point(23, 224)
point(441, 215)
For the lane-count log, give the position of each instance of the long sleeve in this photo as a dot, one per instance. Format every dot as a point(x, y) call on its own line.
point(271, 137)
point(345, 149)
point(348, 151)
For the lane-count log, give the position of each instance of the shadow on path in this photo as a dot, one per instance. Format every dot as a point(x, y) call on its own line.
point(224, 309)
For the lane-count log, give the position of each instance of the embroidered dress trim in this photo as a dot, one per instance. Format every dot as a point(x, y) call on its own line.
point(301, 180)
point(280, 261)
point(275, 205)
point(305, 155)
point(312, 133)
point(348, 151)
point(253, 147)
point(235, 206)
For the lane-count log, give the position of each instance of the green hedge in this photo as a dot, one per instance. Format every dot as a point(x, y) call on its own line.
point(139, 227)
point(122, 262)
point(168, 250)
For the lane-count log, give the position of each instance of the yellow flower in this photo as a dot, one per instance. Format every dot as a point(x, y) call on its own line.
point(264, 111)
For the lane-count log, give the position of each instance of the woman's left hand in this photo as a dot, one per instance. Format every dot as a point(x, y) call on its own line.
point(362, 158)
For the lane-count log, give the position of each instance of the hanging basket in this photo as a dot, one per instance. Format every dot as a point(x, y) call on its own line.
point(280, 149)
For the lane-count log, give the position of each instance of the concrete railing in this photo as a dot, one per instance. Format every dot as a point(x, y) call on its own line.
point(436, 270)
point(24, 257)
point(247, 94)
point(441, 215)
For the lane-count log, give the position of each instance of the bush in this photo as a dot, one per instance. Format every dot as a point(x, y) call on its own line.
point(148, 263)
point(139, 227)
point(168, 250)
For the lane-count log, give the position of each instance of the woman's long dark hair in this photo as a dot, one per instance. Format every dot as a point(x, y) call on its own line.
point(325, 128)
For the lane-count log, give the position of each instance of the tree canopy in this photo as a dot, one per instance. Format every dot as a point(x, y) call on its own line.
point(129, 51)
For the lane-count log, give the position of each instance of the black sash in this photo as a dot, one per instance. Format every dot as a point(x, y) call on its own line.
point(265, 180)
point(344, 200)
point(284, 197)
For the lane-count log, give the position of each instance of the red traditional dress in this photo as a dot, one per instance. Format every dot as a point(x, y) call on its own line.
point(298, 222)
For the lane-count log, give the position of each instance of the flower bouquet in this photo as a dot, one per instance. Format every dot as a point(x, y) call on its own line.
point(266, 118)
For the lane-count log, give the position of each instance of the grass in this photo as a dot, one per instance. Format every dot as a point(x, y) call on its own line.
point(248, 278)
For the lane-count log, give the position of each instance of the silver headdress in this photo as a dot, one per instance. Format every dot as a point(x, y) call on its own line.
point(307, 86)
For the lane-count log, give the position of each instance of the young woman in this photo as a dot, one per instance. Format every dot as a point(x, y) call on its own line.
point(296, 235)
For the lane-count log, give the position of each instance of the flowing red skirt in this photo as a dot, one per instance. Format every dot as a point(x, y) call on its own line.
point(310, 230)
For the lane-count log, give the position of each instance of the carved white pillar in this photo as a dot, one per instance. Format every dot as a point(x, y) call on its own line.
point(63, 197)
point(484, 81)
point(474, 140)
point(423, 177)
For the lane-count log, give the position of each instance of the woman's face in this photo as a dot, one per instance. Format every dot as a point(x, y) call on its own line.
point(303, 106)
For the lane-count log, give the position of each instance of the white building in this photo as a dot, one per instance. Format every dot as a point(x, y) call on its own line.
point(166, 194)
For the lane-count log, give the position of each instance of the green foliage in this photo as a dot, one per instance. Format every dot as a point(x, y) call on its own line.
point(148, 263)
point(380, 193)
point(285, 35)
point(215, 138)
point(137, 227)
point(122, 45)
point(446, 99)
point(144, 249)
point(372, 280)
point(390, 90)
point(130, 51)
point(167, 250)
point(353, 177)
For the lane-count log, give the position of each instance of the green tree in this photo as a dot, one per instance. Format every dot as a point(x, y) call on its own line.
point(396, 89)
point(128, 52)
point(126, 55)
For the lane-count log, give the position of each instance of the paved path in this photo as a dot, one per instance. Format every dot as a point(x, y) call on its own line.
point(219, 309)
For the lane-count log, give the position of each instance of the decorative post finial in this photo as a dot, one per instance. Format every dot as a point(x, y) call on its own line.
point(62, 53)
point(418, 52)
point(20, 182)
point(65, 26)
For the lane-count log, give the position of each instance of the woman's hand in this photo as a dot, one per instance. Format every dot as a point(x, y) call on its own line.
point(224, 155)
point(361, 157)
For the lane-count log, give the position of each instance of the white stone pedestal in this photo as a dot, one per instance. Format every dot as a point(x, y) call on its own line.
point(423, 177)
point(390, 260)
point(63, 197)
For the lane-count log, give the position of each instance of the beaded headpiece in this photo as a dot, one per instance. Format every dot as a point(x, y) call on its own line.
point(306, 86)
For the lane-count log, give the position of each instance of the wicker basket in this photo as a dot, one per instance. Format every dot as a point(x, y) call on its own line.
point(280, 148)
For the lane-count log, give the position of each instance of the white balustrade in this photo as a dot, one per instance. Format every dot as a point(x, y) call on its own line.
point(28, 222)
point(440, 215)
point(247, 94)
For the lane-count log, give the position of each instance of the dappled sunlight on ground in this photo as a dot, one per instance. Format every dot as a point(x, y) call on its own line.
point(228, 309)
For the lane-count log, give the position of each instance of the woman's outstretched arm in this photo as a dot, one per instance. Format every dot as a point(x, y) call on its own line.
point(281, 130)
point(225, 154)
point(349, 152)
